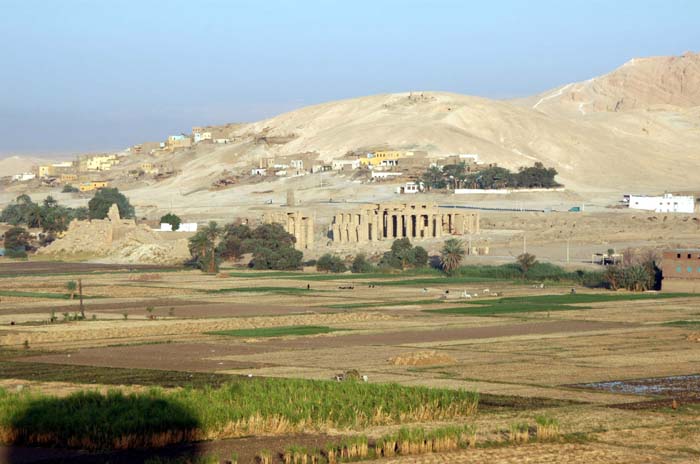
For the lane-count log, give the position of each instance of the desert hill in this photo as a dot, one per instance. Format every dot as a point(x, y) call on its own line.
point(18, 164)
point(641, 83)
point(636, 129)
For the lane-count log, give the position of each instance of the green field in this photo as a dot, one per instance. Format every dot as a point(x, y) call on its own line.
point(258, 406)
point(298, 330)
point(688, 324)
point(386, 304)
point(55, 296)
point(566, 302)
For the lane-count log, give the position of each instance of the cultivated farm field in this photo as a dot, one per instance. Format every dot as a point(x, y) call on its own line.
point(249, 366)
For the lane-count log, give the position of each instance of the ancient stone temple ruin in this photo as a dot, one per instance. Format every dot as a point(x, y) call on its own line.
point(398, 220)
point(300, 225)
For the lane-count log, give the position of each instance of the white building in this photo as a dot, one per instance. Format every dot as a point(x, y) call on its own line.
point(184, 227)
point(221, 141)
point(258, 172)
point(667, 203)
point(25, 176)
point(344, 164)
point(411, 187)
point(382, 175)
point(201, 136)
point(297, 164)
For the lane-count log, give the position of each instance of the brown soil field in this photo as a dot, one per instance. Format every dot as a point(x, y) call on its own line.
point(538, 356)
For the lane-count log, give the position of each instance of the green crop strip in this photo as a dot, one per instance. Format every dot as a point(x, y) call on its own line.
point(514, 305)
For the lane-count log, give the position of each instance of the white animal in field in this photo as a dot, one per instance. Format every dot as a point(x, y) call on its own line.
point(466, 295)
point(365, 378)
point(487, 290)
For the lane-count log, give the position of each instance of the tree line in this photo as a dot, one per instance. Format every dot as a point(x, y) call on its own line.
point(456, 175)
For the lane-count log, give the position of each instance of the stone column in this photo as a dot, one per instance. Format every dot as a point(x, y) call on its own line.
point(438, 225)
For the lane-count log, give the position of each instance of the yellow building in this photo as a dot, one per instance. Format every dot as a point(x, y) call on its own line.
point(382, 158)
point(46, 171)
point(99, 163)
point(51, 170)
point(178, 141)
point(68, 177)
point(94, 185)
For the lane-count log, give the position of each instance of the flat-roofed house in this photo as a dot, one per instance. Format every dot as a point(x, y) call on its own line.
point(680, 268)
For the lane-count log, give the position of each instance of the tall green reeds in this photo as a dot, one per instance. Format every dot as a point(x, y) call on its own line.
point(115, 420)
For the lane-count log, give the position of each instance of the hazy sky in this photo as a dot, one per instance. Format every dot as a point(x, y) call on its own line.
point(91, 75)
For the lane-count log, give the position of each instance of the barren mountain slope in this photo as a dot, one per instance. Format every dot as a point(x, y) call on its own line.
point(639, 150)
point(638, 84)
point(17, 164)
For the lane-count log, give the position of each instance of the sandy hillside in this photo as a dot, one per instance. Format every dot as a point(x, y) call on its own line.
point(17, 164)
point(636, 129)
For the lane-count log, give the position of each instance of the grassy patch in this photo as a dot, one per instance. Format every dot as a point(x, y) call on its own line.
point(261, 332)
point(322, 276)
point(688, 324)
point(258, 406)
point(387, 304)
point(513, 305)
point(282, 290)
point(56, 296)
point(434, 281)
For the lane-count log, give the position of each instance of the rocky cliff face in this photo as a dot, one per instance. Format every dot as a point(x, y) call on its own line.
point(638, 84)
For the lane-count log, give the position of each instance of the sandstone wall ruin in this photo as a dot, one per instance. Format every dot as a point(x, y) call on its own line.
point(300, 225)
point(416, 221)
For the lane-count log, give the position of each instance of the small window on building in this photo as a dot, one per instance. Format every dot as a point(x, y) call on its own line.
point(689, 255)
point(690, 269)
point(678, 255)
point(678, 269)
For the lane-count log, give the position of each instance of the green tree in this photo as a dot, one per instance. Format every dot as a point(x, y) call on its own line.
point(526, 261)
point(71, 286)
point(16, 242)
point(492, 178)
point(434, 178)
point(234, 235)
point(360, 265)
point(451, 255)
point(204, 247)
point(283, 259)
point(536, 176)
point(404, 255)
point(172, 219)
point(68, 188)
point(99, 205)
point(330, 263)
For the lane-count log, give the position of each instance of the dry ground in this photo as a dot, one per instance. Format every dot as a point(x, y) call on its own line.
point(539, 354)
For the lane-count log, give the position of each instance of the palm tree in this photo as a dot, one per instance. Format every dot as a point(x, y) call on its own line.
point(203, 246)
point(451, 255)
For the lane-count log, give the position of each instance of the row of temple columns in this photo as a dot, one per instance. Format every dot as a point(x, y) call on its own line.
point(374, 225)
point(299, 225)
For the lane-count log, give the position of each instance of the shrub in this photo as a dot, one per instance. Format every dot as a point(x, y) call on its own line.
point(16, 242)
point(330, 263)
point(360, 265)
point(99, 205)
point(403, 255)
point(68, 188)
point(172, 219)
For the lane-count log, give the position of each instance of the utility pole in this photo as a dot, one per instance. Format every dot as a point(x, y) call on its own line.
point(80, 292)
